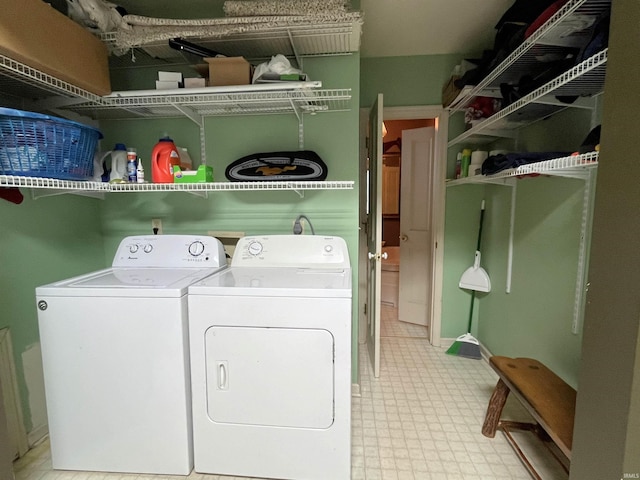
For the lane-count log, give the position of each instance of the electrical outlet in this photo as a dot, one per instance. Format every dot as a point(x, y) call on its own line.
point(156, 223)
point(300, 225)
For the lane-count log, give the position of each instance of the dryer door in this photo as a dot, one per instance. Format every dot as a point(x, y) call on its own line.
point(280, 377)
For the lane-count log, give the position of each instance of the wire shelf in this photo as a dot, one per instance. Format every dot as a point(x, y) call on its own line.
point(556, 36)
point(53, 184)
point(586, 78)
point(338, 38)
point(574, 166)
point(231, 103)
point(333, 38)
point(23, 81)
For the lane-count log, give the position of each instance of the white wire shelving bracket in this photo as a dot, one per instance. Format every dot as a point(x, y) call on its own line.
point(552, 38)
point(56, 187)
point(586, 78)
point(583, 253)
point(582, 167)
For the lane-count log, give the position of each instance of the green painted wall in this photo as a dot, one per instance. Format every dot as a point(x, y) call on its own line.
point(405, 81)
point(42, 241)
point(535, 319)
point(334, 136)
point(65, 235)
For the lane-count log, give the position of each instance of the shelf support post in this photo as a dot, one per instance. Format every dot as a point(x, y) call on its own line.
point(296, 108)
point(512, 223)
point(293, 49)
point(198, 120)
point(583, 251)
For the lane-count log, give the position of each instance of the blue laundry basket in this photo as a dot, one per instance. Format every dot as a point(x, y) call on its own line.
point(36, 145)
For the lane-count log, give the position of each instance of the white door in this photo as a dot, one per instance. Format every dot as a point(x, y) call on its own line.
point(416, 198)
point(374, 234)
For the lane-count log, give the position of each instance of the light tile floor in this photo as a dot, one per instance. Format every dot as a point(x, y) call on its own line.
point(420, 420)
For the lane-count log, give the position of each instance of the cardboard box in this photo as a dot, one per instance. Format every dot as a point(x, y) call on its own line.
point(450, 91)
point(221, 71)
point(34, 33)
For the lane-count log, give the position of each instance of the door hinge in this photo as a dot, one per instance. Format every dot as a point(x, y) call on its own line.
point(365, 308)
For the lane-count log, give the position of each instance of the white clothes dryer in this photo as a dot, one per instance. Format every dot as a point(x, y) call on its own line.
point(115, 353)
point(271, 361)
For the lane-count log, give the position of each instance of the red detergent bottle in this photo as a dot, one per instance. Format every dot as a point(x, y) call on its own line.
point(163, 157)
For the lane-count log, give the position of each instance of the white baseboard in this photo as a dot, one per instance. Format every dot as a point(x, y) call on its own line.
point(12, 406)
point(446, 342)
point(355, 390)
point(36, 435)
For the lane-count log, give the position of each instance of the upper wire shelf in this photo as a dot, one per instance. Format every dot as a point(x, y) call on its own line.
point(249, 100)
point(585, 79)
point(334, 38)
point(560, 32)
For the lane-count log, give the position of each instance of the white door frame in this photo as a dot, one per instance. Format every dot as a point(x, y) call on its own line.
point(441, 117)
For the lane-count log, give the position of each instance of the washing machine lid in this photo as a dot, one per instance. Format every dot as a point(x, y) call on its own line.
point(129, 282)
point(277, 282)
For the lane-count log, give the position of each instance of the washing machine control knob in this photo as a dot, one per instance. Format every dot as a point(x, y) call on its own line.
point(328, 248)
point(255, 248)
point(196, 248)
point(133, 248)
point(147, 248)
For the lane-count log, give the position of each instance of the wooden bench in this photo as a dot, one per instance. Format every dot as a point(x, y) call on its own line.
point(546, 396)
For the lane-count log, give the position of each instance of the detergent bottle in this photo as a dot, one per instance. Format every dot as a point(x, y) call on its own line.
point(163, 157)
point(118, 168)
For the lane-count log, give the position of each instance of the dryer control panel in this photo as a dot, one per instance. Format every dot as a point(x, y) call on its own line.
point(170, 251)
point(302, 251)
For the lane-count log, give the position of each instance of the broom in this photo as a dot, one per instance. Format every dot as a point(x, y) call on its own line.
point(475, 279)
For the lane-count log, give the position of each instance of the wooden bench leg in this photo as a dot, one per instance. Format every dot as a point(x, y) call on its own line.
point(494, 410)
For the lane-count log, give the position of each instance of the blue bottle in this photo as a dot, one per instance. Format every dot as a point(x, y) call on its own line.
point(132, 165)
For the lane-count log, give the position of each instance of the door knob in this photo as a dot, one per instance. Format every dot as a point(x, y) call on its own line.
point(371, 255)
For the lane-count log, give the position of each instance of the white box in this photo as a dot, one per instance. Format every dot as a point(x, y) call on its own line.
point(164, 85)
point(170, 76)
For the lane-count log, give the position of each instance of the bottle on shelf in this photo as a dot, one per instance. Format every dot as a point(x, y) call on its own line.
point(132, 164)
point(163, 157)
point(118, 162)
point(465, 162)
point(140, 172)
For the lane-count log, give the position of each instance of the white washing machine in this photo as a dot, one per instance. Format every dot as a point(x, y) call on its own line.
point(271, 361)
point(115, 354)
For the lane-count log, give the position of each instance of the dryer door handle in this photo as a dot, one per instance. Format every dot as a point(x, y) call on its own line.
point(223, 377)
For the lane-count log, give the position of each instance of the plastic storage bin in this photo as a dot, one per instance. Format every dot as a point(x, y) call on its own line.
point(36, 145)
